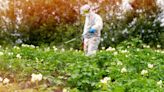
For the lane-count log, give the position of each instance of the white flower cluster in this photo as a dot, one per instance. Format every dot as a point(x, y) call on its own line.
point(16, 47)
point(62, 49)
point(65, 90)
point(144, 72)
point(124, 51)
point(150, 66)
point(119, 63)
point(103, 48)
point(10, 53)
point(160, 83)
point(105, 80)
point(18, 56)
point(133, 22)
point(1, 53)
point(125, 31)
point(160, 51)
point(55, 49)
point(115, 53)
point(123, 70)
point(4, 81)
point(146, 46)
point(71, 49)
point(36, 77)
point(29, 46)
point(110, 49)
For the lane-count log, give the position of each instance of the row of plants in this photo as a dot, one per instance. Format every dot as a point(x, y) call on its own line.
point(130, 67)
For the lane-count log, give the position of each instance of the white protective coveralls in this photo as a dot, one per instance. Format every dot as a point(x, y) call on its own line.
point(92, 40)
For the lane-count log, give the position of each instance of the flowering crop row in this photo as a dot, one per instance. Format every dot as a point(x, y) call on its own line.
point(121, 69)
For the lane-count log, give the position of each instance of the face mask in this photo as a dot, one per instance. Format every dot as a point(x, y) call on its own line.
point(86, 13)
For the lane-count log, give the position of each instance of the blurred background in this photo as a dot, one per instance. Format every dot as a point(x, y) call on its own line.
point(54, 22)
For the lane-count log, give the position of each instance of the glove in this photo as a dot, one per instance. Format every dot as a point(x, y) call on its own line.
point(92, 30)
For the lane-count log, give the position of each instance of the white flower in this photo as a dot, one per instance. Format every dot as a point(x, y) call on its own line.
point(115, 53)
point(160, 83)
point(1, 79)
point(146, 46)
point(105, 80)
point(162, 52)
point(15, 47)
point(36, 77)
point(10, 53)
point(65, 90)
point(119, 63)
point(158, 46)
point(139, 10)
point(157, 51)
point(124, 51)
point(32, 46)
point(150, 66)
point(110, 49)
point(1, 53)
point(6, 81)
point(55, 49)
point(103, 48)
point(144, 72)
point(37, 47)
point(113, 39)
point(125, 31)
point(128, 47)
point(62, 49)
point(71, 49)
point(123, 70)
point(138, 49)
point(133, 22)
point(18, 56)
point(47, 49)
point(25, 45)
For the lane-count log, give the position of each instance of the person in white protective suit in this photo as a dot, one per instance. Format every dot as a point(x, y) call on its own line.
point(92, 30)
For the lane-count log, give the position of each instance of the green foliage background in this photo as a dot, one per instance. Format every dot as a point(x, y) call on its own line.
point(53, 22)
